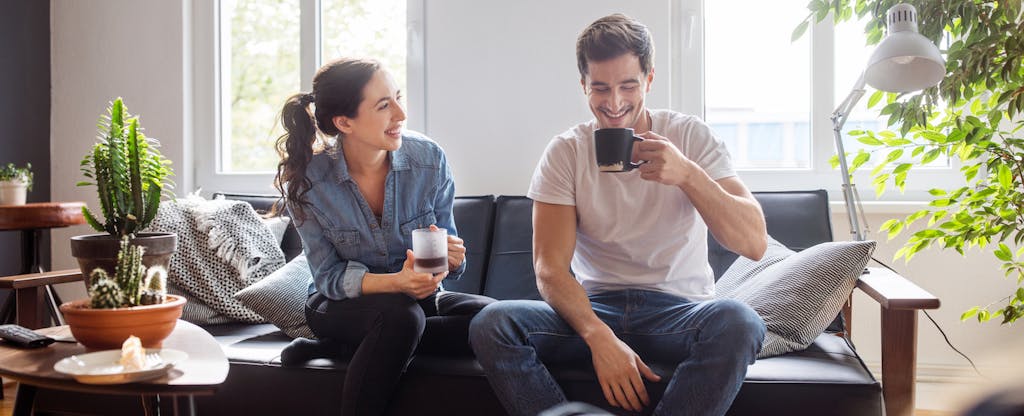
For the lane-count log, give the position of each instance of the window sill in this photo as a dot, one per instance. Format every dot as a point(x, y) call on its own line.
point(881, 207)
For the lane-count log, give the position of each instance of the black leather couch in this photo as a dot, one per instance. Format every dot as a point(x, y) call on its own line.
point(826, 378)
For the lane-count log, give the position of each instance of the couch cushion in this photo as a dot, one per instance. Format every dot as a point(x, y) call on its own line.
point(799, 296)
point(825, 378)
point(510, 271)
point(798, 219)
point(474, 218)
point(291, 243)
point(744, 269)
point(280, 298)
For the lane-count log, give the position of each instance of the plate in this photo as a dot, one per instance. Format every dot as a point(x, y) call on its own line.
point(102, 367)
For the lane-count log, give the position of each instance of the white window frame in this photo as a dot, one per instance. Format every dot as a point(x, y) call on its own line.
point(820, 174)
point(686, 86)
point(209, 103)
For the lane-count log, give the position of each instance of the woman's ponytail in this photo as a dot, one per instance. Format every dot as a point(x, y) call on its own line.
point(295, 147)
point(337, 91)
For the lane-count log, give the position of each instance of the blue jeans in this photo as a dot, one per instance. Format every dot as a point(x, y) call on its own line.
point(713, 342)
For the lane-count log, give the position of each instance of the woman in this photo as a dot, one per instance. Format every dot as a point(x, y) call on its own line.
point(355, 201)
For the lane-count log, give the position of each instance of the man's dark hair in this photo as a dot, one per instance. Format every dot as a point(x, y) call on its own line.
point(612, 36)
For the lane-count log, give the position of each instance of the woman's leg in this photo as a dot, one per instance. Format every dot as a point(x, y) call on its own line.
point(448, 317)
point(385, 328)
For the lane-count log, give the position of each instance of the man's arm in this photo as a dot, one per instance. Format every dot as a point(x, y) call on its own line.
point(618, 368)
point(729, 209)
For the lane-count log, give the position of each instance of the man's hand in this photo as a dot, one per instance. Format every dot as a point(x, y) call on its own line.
point(618, 370)
point(665, 162)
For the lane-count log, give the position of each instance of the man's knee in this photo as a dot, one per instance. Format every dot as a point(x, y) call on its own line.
point(738, 320)
point(497, 322)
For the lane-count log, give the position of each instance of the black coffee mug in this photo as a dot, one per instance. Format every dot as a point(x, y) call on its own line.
point(615, 149)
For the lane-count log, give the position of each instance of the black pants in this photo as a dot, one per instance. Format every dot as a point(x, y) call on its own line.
point(385, 330)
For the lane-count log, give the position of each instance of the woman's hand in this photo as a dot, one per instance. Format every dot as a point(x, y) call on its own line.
point(456, 250)
point(416, 285)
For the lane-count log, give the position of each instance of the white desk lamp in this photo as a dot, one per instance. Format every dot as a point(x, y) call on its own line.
point(904, 61)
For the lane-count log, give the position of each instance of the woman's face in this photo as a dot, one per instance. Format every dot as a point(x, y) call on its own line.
point(378, 122)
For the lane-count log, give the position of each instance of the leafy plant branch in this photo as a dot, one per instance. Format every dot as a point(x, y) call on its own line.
point(972, 119)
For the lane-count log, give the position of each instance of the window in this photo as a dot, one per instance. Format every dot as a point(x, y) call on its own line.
point(770, 99)
point(263, 51)
point(757, 86)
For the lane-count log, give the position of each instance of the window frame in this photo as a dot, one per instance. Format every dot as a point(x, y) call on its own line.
point(209, 102)
point(687, 95)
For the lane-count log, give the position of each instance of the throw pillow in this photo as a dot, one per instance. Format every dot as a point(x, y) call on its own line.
point(743, 268)
point(798, 296)
point(281, 297)
point(223, 247)
point(277, 226)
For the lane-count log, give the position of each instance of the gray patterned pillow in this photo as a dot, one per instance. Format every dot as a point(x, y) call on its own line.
point(743, 268)
point(280, 298)
point(798, 296)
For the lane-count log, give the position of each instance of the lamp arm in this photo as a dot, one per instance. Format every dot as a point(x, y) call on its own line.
point(854, 208)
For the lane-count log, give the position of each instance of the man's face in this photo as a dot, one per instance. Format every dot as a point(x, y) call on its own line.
point(616, 89)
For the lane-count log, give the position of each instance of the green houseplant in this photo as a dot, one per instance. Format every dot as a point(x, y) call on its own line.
point(973, 117)
point(130, 176)
point(15, 182)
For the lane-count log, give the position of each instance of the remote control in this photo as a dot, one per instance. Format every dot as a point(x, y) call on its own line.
point(23, 337)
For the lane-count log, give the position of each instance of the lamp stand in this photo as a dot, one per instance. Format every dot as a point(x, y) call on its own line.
point(854, 208)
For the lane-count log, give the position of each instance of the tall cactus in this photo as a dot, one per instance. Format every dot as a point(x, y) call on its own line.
point(129, 172)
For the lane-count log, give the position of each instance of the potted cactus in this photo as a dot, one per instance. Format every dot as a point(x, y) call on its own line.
point(131, 301)
point(15, 182)
point(130, 176)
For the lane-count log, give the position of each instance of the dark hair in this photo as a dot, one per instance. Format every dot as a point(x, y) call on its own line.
point(337, 91)
point(612, 36)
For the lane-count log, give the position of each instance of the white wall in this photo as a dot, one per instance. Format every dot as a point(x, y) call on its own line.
point(105, 49)
point(136, 49)
point(514, 67)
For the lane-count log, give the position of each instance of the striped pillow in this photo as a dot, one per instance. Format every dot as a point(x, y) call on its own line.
point(743, 268)
point(280, 298)
point(799, 296)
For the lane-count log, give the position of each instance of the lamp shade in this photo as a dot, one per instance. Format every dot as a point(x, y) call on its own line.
point(905, 60)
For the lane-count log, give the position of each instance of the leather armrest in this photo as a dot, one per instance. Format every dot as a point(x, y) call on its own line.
point(893, 291)
point(24, 281)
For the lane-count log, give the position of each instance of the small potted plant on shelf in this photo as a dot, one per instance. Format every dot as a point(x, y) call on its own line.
point(131, 301)
point(130, 176)
point(15, 182)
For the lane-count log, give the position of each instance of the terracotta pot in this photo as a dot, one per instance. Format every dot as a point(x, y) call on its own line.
point(104, 329)
point(100, 250)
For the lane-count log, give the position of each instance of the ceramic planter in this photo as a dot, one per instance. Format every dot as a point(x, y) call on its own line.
point(100, 250)
point(103, 329)
point(12, 192)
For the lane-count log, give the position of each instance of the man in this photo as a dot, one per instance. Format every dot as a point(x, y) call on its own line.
point(621, 258)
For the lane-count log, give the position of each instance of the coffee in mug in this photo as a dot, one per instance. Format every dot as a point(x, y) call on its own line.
point(430, 248)
point(614, 149)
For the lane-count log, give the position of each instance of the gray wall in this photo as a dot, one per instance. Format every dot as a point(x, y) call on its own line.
point(25, 108)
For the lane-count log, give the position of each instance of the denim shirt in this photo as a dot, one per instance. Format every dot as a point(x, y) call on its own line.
point(340, 234)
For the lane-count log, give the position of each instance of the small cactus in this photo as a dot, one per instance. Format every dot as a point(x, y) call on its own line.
point(155, 287)
point(106, 294)
point(131, 285)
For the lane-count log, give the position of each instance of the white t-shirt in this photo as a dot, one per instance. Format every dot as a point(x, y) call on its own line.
point(634, 233)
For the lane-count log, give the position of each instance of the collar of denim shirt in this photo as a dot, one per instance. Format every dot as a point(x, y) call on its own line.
point(399, 161)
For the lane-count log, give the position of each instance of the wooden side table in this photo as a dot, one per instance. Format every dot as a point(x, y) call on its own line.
point(201, 374)
point(31, 220)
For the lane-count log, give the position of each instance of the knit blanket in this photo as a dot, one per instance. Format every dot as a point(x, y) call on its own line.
point(223, 247)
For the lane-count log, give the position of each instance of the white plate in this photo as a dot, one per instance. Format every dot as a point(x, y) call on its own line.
point(102, 367)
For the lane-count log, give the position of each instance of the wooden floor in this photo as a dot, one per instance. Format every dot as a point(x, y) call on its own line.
point(7, 404)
